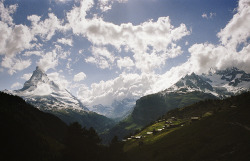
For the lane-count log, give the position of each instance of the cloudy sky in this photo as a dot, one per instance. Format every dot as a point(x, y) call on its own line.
point(106, 50)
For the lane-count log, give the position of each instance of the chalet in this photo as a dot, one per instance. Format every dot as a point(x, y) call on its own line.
point(195, 118)
point(159, 130)
point(138, 137)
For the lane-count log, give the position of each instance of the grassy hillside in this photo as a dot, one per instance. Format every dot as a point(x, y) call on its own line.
point(222, 133)
point(151, 107)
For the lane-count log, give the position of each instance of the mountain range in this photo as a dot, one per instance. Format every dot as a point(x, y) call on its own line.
point(47, 96)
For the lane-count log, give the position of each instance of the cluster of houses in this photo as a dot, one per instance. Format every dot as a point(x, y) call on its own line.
point(168, 124)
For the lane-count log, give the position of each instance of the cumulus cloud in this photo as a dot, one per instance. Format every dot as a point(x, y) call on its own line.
point(106, 5)
point(101, 57)
point(42, 89)
point(124, 86)
point(17, 38)
point(135, 38)
point(49, 60)
point(65, 41)
point(6, 12)
point(227, 54)
point(16, 85)
point(47, 28)
point(79, 77)
point(15, 64)
point(14, 39)
point(59, 79)
point(237, 31)
point(203, 57)
point(125, 62)
point(29, 53)
point(26, 76)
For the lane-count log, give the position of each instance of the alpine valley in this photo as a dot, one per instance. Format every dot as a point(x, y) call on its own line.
point(47, 96)
point(188, 90)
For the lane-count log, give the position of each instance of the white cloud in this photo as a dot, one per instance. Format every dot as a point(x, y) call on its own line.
point(42, 89)
point(16, 85)
point(59, 79)
point(203, 57)
point(14, 39)
point(81, 51)
point(29, 53)
point(26, 76)
point(6, 12)
point(49, 60)
point(65, 41)
point(47, 28)
point(226, 54)
point(79, 77)
point(137, 39)
point(125, 62)
point(62, 1)
point(106, 5)
point(208, 16)
point(15, 64)
point(237, 30)
point(124, 86)
point(101, 57)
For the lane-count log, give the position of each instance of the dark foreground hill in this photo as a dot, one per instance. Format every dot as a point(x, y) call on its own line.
point(28, 134)
point(222, 133)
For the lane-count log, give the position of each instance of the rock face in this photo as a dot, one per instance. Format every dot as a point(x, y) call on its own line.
point(47, 96)
point(221, 83)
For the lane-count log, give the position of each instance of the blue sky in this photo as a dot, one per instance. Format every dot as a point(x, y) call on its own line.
point(106, 50)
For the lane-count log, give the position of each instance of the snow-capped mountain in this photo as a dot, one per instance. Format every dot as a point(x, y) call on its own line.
point(221, 83)
point(45, 94)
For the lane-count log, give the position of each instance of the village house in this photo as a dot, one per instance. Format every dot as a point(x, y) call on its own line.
point(195, 118)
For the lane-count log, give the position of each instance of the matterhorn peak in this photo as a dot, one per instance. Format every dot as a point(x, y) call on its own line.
point(45, 94)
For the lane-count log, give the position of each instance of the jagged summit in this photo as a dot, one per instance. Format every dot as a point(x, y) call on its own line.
point(45, 94)
point(39, 79)
point(221, 83)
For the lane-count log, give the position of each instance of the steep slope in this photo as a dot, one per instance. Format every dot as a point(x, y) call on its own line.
point(223, 134)
point(47, 96)
point(28, 133)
